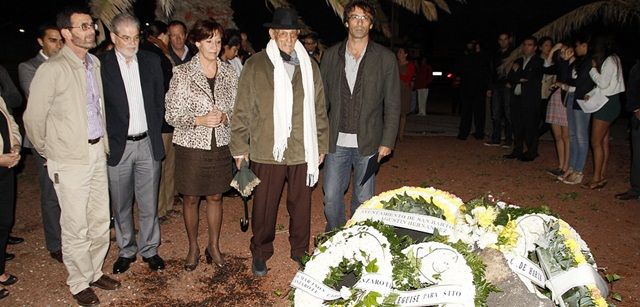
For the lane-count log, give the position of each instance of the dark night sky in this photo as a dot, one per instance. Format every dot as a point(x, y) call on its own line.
point(442, 39)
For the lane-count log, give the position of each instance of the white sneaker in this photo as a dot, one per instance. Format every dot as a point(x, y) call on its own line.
point(574, 178)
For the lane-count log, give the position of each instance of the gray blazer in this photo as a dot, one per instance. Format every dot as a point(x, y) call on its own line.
point(380, 106)
point(26, 71)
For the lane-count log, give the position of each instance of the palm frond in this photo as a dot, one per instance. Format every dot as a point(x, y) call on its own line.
point(166, 8)
point(442, 5)
point(278, 3)
point(429, 10)
point(337, 6)
point(105, 10)
point(608, 11)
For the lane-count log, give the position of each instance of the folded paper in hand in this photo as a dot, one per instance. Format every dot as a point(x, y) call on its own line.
point(596, 101)
point(372, 167)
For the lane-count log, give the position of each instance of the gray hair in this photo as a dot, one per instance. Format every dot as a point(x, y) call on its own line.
point(122, 19)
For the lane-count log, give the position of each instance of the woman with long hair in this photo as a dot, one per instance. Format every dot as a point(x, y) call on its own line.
point(606, 73)
point(578, 86)
point(199, 105)
point(562, 58)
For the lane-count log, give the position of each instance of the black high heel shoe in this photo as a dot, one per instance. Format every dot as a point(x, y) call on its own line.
point(209, 258)
point(192, 266)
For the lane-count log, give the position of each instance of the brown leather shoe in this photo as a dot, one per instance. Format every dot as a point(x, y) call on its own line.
point(106, 283)
point(87, 298)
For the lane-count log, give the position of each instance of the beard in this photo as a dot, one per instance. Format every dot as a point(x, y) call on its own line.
point(87, 42)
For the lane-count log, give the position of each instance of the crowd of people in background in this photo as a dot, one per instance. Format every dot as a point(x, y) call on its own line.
point(573, 88)
point(165, 114)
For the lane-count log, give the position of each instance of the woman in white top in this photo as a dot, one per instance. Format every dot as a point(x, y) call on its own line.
point(607, 75)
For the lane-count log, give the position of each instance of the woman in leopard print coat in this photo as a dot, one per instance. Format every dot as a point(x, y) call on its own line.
point(199, 104)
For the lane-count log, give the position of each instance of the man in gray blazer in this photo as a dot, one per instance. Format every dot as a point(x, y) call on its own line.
point(50, 41)
point(362, 90)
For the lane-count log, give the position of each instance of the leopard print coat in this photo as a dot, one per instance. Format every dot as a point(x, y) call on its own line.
point(190, 95)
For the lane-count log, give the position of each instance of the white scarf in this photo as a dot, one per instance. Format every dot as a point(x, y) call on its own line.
point(283, 109)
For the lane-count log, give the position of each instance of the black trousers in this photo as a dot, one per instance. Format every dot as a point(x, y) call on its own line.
point(7, 199)
point(525, 117)
point(472, 108)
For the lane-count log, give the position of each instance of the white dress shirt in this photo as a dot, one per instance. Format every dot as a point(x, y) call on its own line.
point(131, 78)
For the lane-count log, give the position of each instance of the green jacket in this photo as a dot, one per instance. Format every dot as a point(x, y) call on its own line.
point(380, 106)
point(252, 123)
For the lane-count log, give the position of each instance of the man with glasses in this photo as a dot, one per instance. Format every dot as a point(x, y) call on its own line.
point(65, 121)
point(310, 43)
point(51, 42)
point(134, 104)
point(280, 124)
point(362, 83)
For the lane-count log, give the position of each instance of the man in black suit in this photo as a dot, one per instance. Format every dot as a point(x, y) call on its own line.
point(525, 78)
point(134, 106)
point(633, 106)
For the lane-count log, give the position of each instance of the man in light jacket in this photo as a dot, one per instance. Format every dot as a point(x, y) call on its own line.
point(65, 122)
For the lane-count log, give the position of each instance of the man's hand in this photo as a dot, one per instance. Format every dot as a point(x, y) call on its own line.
point(636, 113)
point(9, 160)
point(383, 151)
point(489, 93)
point(239, 160)
point(321, 159)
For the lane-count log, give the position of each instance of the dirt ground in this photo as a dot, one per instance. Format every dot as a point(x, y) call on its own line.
point(465, 168)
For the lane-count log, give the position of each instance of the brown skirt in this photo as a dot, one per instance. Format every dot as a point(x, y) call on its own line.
point(203, 172)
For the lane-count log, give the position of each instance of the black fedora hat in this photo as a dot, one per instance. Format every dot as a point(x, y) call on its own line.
point(284, 18)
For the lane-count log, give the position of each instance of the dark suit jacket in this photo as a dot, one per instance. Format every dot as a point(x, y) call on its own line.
point(532, 72)
point(633, 88)
point(380, 100)
point(117, 105)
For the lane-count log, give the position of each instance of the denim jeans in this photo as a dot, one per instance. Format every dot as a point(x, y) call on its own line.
point(501, 112)
point(578, 136)
point(337, 173)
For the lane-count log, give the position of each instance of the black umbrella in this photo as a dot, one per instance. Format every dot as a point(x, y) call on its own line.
point(244, 181)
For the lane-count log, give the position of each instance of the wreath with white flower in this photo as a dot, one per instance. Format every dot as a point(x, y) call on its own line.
point(422, 209)
point(442, 270)
point(551, 254)
point(362, 250)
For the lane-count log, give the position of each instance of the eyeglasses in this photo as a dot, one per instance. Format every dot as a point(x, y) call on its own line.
point(359, 18)
point(128, 39)
point(86, 26)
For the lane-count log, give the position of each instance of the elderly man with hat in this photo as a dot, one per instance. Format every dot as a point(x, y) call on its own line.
point(280, 124)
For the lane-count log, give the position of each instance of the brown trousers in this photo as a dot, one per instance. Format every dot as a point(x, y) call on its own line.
point(265, 208)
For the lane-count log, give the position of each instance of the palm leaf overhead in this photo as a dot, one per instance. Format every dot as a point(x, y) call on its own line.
point(105, 10)
point(607, 11)
point(166, 8)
